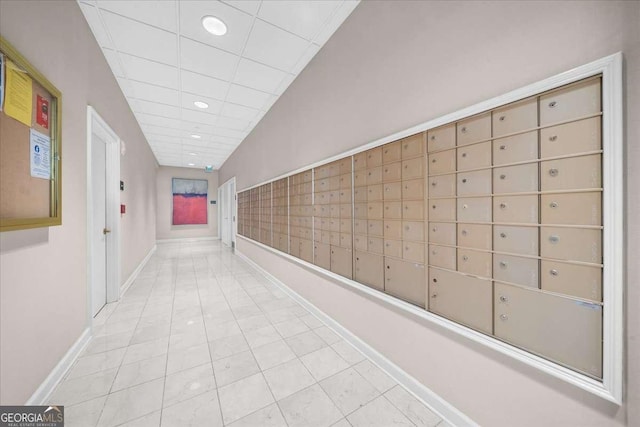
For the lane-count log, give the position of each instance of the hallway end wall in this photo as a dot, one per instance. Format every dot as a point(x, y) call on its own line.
point(43, 273)
point(164, 226)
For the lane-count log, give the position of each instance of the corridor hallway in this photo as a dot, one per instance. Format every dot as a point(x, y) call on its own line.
point(201, 338)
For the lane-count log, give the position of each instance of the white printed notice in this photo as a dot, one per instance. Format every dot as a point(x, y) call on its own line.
point(40, 155)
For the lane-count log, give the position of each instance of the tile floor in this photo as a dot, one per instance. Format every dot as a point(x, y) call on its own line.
point(203, 339)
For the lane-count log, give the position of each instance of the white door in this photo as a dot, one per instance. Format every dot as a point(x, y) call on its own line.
point(224, 212)
point(99, 232)
point(226, 199)
point(232, 204)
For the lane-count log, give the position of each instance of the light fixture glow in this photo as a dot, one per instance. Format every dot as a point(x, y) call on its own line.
point(214, 25)
point(192, 164)
point(194, 136)
point(193, 154)
point(201, 104)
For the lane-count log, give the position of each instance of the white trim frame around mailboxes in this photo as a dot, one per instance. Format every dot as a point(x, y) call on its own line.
point(611, 386)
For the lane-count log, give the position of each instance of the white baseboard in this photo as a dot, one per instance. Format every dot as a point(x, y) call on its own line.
point(443, 408)
point(187, 239)
point(40, 396)
point(125, 286)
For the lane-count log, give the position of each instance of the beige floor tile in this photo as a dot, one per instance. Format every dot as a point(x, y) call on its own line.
point(348, 390)
point(323, 363)
point(291, 327)
point(146, 350)
point(309, 407)
point(273, 354)
point(306, 342)
point(381, 381)
point(85, 414)
point(244, 397)
point(415, 410)
point(140, 372)
point(132, 403)
point(188, 383)
point(266, 417)
point(228, 346)
point(149, 420)
point(199, 411)
point(189, 358)
point(233, 368)
point(95, 363)
point(76, 390)
point(288, 378)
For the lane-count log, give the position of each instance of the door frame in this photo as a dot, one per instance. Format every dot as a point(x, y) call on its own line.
point(227, 199)
point(112, 215)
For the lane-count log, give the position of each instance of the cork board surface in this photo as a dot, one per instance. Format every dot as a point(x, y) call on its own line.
point(21, 195)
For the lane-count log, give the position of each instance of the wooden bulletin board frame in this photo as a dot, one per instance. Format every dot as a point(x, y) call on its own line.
point(55, 123)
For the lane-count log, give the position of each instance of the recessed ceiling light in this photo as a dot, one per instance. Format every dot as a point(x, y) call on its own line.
point(201, 104)
point(214, 25)
point(192, 164)
point(194, 136)
point(193, 154)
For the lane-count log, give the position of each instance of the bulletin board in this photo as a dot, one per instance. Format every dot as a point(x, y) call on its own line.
point(30, 142)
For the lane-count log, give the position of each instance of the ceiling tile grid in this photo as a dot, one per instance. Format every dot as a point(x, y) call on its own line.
point(165, 61)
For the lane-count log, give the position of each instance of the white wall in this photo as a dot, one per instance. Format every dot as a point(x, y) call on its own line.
point(43, 277)
point(164, 227)
point(395, 64)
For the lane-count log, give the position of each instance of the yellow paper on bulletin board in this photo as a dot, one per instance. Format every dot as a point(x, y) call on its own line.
point(18, 101)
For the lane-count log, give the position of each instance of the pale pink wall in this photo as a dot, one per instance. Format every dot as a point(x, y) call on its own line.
point(395, 64)
point(164, 227)
point(43, 281)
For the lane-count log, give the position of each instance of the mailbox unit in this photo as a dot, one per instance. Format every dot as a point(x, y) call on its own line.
point(494, 221)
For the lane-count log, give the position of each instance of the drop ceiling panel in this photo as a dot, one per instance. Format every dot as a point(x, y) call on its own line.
point(238, 134)
point(197, 128)
point(207, 60)
point(157, 109)
point(150, 119)
point(239, 112)
point(202, 85)
point(238, 24)
point(140, 69)
point(258, 76)
point(162, 131)
point(159, 13)
point(248, 97)
point(304, 18)
point(198, 117)
point(188, 103)
point(272, 46)
point(142, 40)
point(233, 124)
point(154, 93)
point(163, 139)
point(249, 6)
point(165, 61)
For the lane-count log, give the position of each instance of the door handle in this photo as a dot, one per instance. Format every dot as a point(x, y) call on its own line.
point(106, 231)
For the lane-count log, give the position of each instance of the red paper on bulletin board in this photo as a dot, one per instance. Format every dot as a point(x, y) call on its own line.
point(42, 112)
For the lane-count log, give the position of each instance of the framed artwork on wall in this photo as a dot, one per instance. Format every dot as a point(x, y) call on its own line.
point(189, 201)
